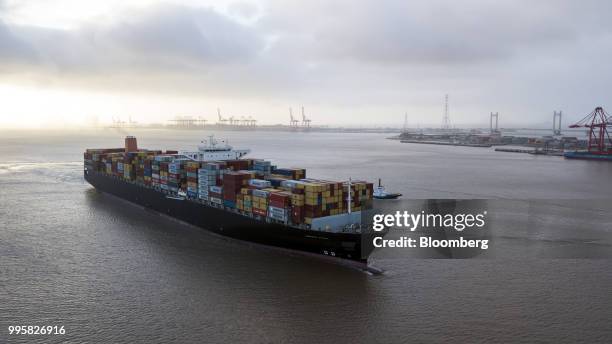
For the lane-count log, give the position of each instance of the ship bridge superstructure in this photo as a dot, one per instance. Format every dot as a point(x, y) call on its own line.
point(213, 150)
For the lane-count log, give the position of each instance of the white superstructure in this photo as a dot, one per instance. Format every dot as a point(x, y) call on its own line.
point(211, 150)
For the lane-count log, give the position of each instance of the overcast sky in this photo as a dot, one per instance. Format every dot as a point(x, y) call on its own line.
point(347, 61)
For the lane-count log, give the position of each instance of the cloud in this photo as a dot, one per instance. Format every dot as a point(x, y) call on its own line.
point(516, 56)
point(439, 32)
point(159, 39)
point(12, 49)
point(201, 36)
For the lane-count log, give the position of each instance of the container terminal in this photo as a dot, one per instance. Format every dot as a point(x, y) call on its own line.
point(596, 146)
point(217, 189)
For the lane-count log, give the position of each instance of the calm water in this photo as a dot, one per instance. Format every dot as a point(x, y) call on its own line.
point(114, 273)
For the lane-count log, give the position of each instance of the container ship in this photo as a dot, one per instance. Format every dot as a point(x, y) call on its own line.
point(217, 189)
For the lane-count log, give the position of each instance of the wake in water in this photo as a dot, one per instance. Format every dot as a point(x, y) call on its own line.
point(70, 172)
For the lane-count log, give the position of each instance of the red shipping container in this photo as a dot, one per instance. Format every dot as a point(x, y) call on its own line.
point(297, 214)
point(280, 199)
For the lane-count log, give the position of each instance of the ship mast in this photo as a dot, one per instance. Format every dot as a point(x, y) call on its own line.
point(349, 195)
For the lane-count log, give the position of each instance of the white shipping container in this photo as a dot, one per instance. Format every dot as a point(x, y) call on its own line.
point(216, 200)
point(278, 211)
point(260, 183)
point(216, 189)
point(260, 193)
point(289, 183)
point(277, 217)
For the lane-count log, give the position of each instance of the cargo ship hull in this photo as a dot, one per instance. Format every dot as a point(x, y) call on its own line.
point(588, 156)
point(353, 247)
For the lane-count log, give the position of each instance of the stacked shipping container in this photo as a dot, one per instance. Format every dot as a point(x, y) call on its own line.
point(252, 186)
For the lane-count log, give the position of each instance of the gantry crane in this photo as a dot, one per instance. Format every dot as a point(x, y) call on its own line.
point(597, 125)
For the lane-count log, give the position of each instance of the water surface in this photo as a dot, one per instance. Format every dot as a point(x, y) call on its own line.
point(110, 272)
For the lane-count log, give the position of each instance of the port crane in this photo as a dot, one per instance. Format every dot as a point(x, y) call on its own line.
point(247, 121)
point(251, 121)
point(222, 120)
point(292, 122)
point(597, 123)
point(305, 121)
point(201, 121)
point(118, 123)
point(188, 121)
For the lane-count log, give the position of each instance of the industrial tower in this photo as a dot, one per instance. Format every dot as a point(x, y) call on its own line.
point(446, 121)
point(494, 130)
point(557, 123)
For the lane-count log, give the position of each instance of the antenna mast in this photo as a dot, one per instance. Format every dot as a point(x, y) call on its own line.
point(446, 123)
point(349, 195)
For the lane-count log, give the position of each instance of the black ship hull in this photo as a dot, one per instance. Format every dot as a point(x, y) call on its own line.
point(353, 247)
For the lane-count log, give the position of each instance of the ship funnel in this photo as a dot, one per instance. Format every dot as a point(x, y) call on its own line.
point(130, 144)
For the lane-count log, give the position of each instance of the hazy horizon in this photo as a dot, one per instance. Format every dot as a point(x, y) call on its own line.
point(70, 63)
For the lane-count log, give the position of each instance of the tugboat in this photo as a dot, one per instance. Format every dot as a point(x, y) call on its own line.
point(380, 193)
